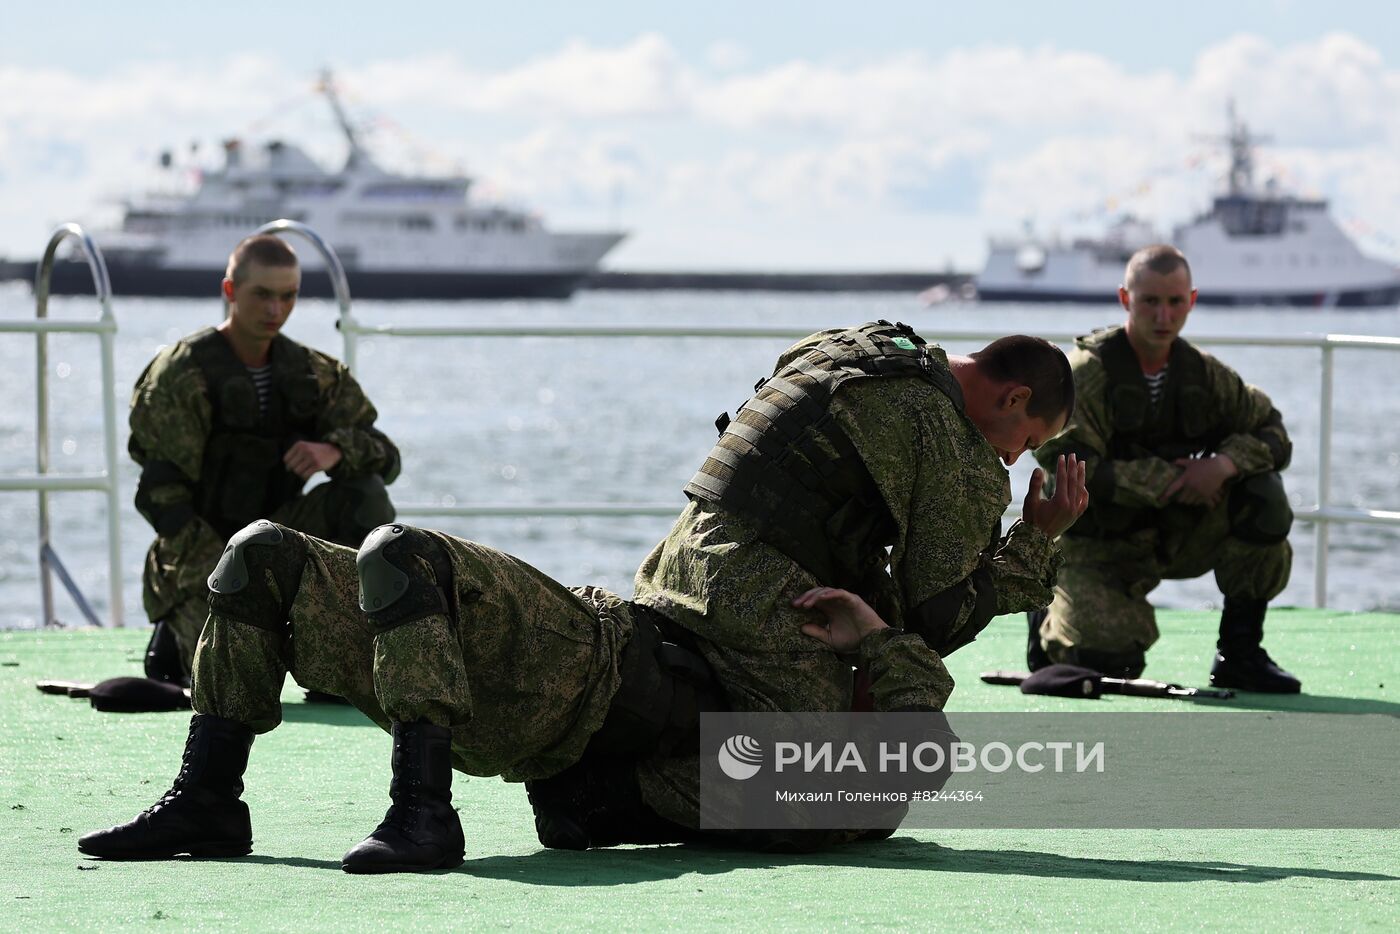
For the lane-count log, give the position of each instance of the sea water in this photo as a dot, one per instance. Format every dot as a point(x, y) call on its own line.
point(519, 420)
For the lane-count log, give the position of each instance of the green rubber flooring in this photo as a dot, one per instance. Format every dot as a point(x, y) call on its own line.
point(318, 784)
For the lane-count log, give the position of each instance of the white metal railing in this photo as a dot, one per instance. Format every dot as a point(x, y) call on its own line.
point(1322, 516)
point(105, 327)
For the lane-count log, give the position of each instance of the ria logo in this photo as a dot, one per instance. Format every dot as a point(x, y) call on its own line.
point(740, 757)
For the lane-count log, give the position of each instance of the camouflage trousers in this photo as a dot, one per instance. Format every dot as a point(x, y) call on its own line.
point(176, 568)
point(1101, 595)
point(519, 667)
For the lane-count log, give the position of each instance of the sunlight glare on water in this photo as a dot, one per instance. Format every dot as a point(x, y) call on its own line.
point(528, 419)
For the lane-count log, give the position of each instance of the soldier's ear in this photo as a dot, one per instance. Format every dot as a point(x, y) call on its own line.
point(228, 290)
point(1017, 397)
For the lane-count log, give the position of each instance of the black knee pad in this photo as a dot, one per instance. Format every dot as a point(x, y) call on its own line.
point(239, 588)
point(1259, 510)
point(405, 576)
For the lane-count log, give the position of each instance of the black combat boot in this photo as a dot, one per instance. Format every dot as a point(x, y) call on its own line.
point(421, 831)
point(1240, 660)
point(163, 662)
point(597, 802)
point(1036, 658)
point(201, 814)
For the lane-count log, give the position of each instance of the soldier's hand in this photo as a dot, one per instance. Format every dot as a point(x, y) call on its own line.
point(849, 619)
point(1052, 516)
point(306, 458)
point(1202, 480)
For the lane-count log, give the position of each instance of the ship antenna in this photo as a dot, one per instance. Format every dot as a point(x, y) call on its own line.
point(327, 87)
point(1242, 144)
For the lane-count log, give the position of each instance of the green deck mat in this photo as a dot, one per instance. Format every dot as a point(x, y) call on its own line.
point(319, 783)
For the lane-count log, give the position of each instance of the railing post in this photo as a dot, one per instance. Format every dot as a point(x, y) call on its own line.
point(339, 283)
point(42, 278)
point(48, 558)
point(1322, 527)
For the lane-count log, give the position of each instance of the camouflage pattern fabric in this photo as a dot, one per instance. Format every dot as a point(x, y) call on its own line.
point(946, 489)
point(521, 668)
point(171, 421)
point(1101, 598)
point(178, 567)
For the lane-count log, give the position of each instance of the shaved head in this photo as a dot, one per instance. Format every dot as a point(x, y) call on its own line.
point(1162, 259)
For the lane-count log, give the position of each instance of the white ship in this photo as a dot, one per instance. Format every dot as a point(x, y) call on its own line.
point(1255, 246)
point(398, 236)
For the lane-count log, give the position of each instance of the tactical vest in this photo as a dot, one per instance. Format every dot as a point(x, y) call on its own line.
point(1181, 424)
point(786, 465)
point(242, 477)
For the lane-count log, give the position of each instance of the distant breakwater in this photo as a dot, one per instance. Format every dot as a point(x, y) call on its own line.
point(777, 281)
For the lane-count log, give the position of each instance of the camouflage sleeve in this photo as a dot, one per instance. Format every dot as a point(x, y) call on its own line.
point(1258, 442)
point(347, 421)
point(1024, 564)
point(170, 422)
point(947, 491)
point(1138, 482)
point(905, 674)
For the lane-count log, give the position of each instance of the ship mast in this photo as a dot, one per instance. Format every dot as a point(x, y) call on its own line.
point(327, 87)
point(1241, 143)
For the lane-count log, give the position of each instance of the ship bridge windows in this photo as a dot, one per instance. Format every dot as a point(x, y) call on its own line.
point(236, 221)
point(1251, 217)
point(298, 188)
point(413, 191)
point(413, 222)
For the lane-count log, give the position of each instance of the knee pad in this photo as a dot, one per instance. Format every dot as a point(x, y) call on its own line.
point(1259, 510)
point(405, 576)
point(239, 588)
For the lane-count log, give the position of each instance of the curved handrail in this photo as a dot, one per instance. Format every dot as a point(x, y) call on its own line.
point(48, 558)
point(339, 283)
point(43, 273)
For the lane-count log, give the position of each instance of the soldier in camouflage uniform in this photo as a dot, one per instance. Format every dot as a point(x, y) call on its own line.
point(228, 424)
point(872, 462)
point(1183, 460)
point(474, 660)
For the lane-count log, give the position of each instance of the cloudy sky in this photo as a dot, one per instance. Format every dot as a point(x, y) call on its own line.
point(741, 135)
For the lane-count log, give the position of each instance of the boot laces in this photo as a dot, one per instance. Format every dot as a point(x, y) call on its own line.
point(176, 787)
point(403, 814)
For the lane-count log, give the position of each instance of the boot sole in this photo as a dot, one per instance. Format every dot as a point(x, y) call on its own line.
point(1255, 689)
point(197, 850)
point(446, 865)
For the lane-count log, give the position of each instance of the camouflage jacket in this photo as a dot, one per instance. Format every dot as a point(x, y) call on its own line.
point(946, 489)
point(1249, 429)
point(171, 421)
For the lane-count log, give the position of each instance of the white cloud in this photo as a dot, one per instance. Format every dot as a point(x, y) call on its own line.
point(643, 78)
point(727, 55)
point(1336, 90)
point(556, 163)
point(985, 135)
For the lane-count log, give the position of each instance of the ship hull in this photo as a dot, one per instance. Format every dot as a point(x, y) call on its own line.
point(70, 278)
point(1378, 297)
